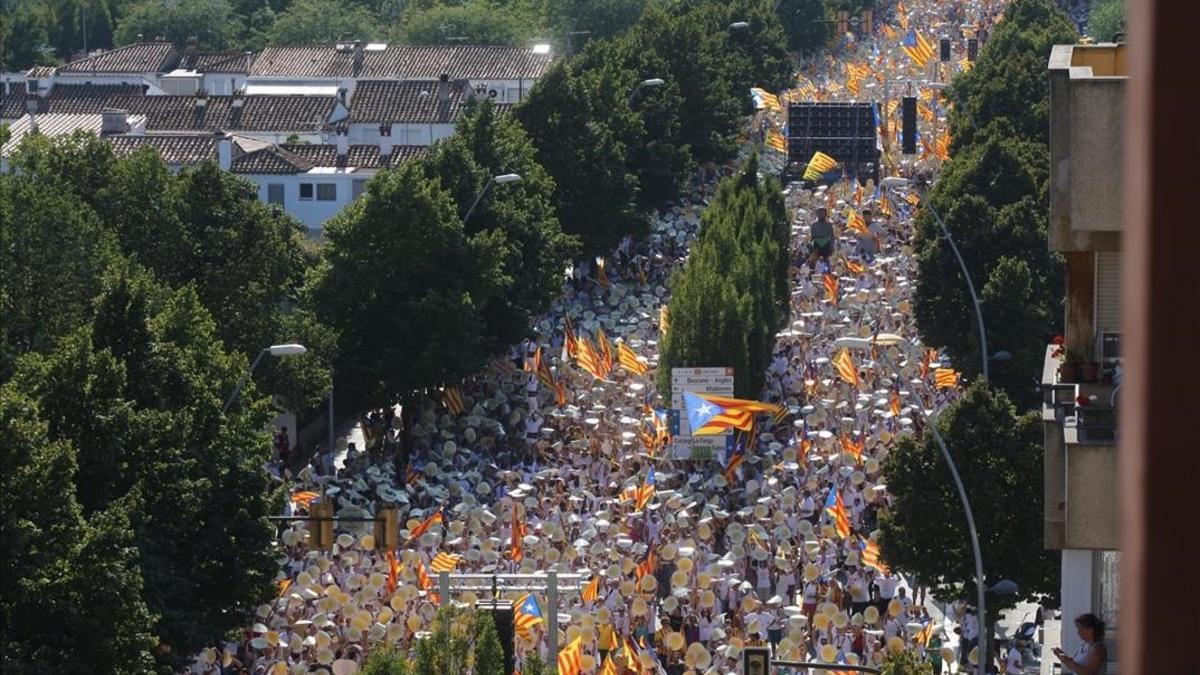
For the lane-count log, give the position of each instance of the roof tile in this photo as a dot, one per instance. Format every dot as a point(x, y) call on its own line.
point(140, 57)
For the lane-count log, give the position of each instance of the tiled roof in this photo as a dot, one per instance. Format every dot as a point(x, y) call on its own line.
point(12, 105)
point(182, 149)
point(403, 62)
point(56, 124)
point(180, 113)
point(217, 62)
point(140, 57)
point(407, 102)
point(273, 159)
point(292, 159)
point(40, 71)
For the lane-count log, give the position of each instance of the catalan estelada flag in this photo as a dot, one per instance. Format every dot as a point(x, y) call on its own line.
point(886, 207)
point(609, 667)
point(837, 512)
point(435, 519)
point(646, 492)
point(708, 414)
point(917, 47)
point(570, 658)
point(629, 360)
point(945, 378)
point(869, 555)
point(852, 447)
point(830, 282)
point(855, 222)
point(764, 99)
point(647, 566)
point(452, 398)
point(818, 165)
point(735, 460)
point(526, 615)
point(591, 591)
point(845, 367)
point(444, 562)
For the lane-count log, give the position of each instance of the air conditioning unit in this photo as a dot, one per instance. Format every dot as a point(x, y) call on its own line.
point(1108, 348)
point(492, 93)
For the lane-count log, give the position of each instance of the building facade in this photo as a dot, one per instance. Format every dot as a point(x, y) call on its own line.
point(1081, 378)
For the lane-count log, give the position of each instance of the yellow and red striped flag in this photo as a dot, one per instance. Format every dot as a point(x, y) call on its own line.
point(869, 556)
point(629, 360)
point(855, 267)
point(519, 530)
point(452, 398)
point(304, 497)
point(393, 572)
point(929, 357)
point(588, 358)
point(526, 615)
point(913, 198)
point(664, 319)
point(591, 591)
point(886, 207)
point(647, 566)
point(853, 448)
point(831, 288)
point(852, 85)
point(601, 275)
point(424, 527)
point(560, 392)
point(610, 666)
point(569, 338)
point(444, 562)
point(283, 585)
point(836, 508)
point(570, 659)
point(894, 403)
point(425, 583)
point(844, 365)
point(606, 352)
point(542, 369)
point(818, 165)
point(646, 492)
point(855, 222)
point(941, 147)
point(945, 378)
point(776, 141)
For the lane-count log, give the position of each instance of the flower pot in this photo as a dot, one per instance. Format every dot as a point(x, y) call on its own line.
point(1068, 373)
point(1089, 372)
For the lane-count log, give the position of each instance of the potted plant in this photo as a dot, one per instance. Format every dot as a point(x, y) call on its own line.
point(1068, 366)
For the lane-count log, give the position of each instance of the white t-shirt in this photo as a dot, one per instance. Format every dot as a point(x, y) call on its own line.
point(1014, 663)
point(887, 586)
point(970, 627)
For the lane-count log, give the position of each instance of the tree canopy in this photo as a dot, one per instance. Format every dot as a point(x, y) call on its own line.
point(998, 453)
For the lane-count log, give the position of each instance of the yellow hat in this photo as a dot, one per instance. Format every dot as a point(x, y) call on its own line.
point(676, 641)
point(828, 653)
point(871, 615)
point(895, 607)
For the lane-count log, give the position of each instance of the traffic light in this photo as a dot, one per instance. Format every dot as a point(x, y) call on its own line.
point(945, 49)
point(387, 529)
point(843, 22)
point(320, 532)
point(908, 131)
point(972, 48)
point(867, 21)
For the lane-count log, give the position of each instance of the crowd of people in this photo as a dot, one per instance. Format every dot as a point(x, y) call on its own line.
point(694, 559)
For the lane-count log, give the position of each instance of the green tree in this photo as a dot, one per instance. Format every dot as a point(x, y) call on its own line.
point(603, 19)
point(25, 28)
point(71, 585)
point(570, 117)
point(448, 647)
point(386, 661)
point(403, 285)
point(534, 665)
point(804, 24)
point(318, 21)
point(998, 453)
point(992, 198)
point(730, 299)
point(1106, 19)
point(151, 375)
point(520, 214)
point(53, 254)
point(1009, 78)
point(488, 654)
point(905, 662)
point(211, 22)
point(478, 23)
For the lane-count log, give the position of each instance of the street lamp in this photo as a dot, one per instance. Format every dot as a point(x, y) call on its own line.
point(739, 25)
point(931, 424)
point(291, 349)
point(502, 178)
point(652, 82)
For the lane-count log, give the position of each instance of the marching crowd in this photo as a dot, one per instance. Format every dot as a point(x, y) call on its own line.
point(682, 563)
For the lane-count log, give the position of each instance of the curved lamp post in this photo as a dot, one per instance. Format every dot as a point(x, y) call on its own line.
point(291, 349)
point(501, 179)
point(652, 82)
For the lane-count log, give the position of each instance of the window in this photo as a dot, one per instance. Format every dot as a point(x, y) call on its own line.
point(358, 187)
point(306, 192)
point(275, 193)
point(326, 192)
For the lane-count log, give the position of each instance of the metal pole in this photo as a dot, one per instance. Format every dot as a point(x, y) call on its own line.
point(552, 616)
point(444, 585)
point(477, 198)
point(983, 348)
point(242, 382)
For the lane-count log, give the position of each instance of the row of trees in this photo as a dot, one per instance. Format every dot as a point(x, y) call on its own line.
point(992, 195)
point(47, 32)
point(134, 508)
point(731, 298)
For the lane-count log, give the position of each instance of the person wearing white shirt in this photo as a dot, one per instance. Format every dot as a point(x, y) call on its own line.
point(1013, 662)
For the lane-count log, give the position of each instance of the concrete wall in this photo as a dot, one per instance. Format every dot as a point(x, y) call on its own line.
point(1091, 492)
point(1054, 484)
point(367, 133)
point(312, 213)
point(1077, 595)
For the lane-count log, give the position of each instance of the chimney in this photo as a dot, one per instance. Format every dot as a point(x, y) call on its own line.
point(114, 122)
point(444, 88)
point(201, 99)
point(343, 145)
point(224, 151)
point(191, 51)
point(358, 57)
point(239, 98)
point(385, 143)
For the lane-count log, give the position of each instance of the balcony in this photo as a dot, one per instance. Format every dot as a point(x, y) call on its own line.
point(1080, 464)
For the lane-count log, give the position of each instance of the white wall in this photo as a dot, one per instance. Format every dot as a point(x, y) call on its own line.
point(313, 213)
point(363, 133)
point(1076, 593)
point(223, 84)
point(507, 91)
